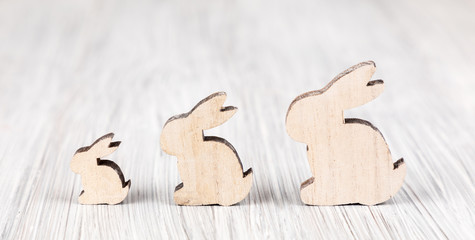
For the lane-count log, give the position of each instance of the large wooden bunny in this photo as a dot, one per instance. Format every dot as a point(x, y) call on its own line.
point(209, 167)
point(102, 180)
point(349, 158)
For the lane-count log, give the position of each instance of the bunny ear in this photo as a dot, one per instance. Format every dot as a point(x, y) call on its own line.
point(210, 113)
point(103, 142)
point(354, 87)
point(104, 145)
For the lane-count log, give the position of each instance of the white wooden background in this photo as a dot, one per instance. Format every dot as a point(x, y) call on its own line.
point(71, 71)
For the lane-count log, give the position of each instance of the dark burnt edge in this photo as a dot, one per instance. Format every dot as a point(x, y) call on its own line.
point(114, 144)
point(398, 163)
point(375, 82)
point(225, 142)
point(179, 186)
point(249, 171)
point(324, 89)
point(113, 165)
point(227, 108)
point(364, 122)
point(307, 182)
point(109, 135)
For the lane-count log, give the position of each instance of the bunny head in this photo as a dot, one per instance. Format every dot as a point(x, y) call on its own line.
point(301, 116)
point(87, 157)
point(349, 89)
point(207, 114)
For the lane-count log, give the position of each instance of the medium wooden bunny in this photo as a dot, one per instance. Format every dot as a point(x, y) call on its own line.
point(102, 180)
point(209, 167)
point(349, 158)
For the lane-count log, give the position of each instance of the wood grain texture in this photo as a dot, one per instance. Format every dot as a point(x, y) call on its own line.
point(349, 159)
point(71, 71)
point(209, 166)
point(102, 180)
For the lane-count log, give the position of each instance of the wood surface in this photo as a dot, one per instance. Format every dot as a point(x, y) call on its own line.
point(102, 180)
point(71, 71)
point(209, 166)
point(349, 158)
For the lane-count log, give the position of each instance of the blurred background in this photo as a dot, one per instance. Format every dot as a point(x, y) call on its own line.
point(71, 71)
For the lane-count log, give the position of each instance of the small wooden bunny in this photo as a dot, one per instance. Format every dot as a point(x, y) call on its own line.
point(102, 180)
point(209, 167)
point(349, 158)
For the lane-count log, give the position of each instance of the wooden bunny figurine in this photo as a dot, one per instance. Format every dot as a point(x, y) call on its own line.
point(209, 167)
point(102, 180)
point(349, 158)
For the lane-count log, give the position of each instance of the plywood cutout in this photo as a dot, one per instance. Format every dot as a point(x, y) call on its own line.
point(102, 180)
point(209, 167)
point(349, 158)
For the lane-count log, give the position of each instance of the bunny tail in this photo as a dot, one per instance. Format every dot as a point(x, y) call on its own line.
point(127, 184)
point(126, 188)
point(399, 172)
point(240, 192)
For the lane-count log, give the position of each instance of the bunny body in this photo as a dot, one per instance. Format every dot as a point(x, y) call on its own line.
point(102, 180)
point(349, 158)
point(209, 166)
point(225, 167)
